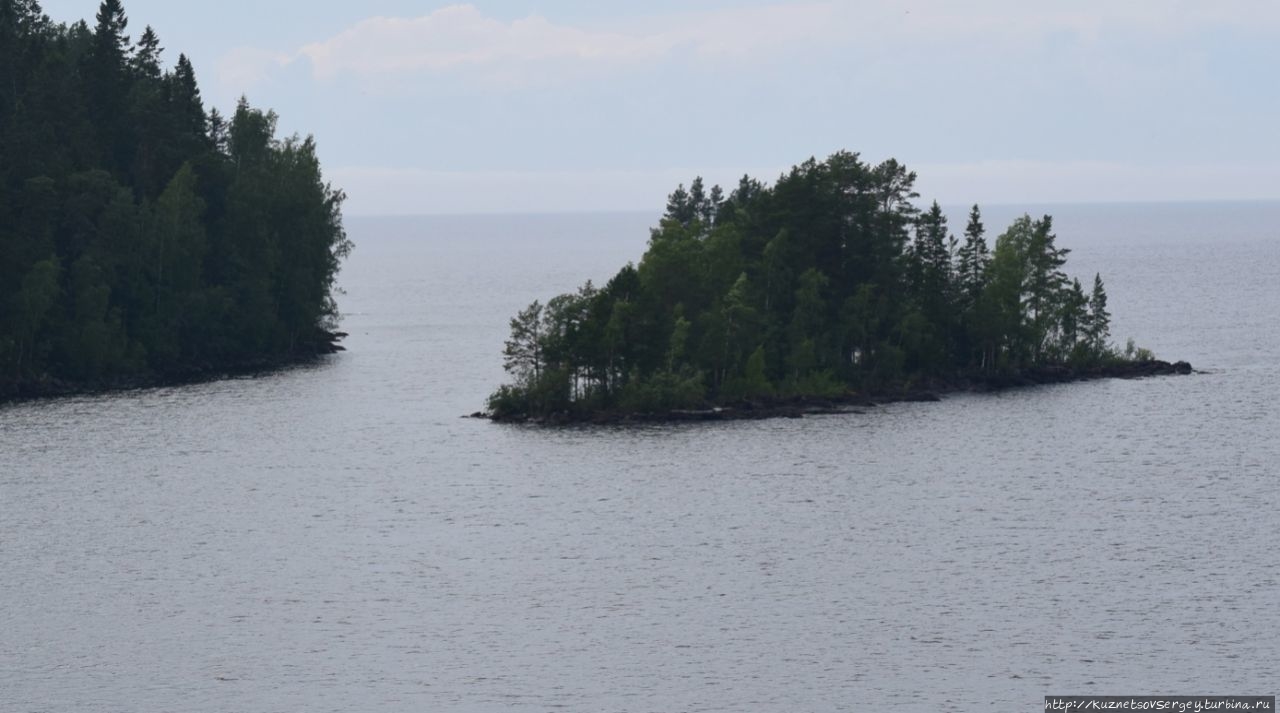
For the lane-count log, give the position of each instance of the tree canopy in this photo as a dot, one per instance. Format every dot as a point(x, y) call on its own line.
point(140, 233)
point(830, 280)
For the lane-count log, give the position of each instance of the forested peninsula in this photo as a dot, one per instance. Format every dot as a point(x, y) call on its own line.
point(144, 239)
point(827, 290)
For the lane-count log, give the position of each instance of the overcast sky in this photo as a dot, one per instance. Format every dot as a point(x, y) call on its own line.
point(554, 105)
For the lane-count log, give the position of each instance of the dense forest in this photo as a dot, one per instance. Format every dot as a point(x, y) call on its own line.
point(139, 233)
point(829, 282)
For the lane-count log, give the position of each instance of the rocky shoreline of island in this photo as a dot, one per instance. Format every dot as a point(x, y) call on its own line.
point(855, 402)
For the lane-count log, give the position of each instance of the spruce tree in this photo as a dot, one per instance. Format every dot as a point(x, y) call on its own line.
point(1099, 327)
point(973, 257)
point(146, 57)
point(1045, 282)
point(1074, 321)
point(188, 107)
point(111, 44)
point(107, 76)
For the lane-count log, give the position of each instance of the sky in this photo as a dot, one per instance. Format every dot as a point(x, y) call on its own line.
point(571, 105)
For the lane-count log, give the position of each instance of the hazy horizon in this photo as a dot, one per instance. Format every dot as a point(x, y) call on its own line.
point(657, 210)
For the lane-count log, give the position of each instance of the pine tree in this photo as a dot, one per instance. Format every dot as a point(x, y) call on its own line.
point(714, 206)
point(698, 202)
point(523, 350)
point(680, 207)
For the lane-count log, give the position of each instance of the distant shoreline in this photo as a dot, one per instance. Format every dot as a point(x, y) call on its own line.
point(850, 403)
point(1019, 206)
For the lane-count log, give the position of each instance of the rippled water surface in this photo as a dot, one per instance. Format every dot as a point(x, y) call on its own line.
point(336, 538)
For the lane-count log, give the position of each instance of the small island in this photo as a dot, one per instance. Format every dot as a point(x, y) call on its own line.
point(143, 239)
point(826, 291)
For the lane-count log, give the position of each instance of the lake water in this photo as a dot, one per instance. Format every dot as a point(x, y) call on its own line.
point(336, 538)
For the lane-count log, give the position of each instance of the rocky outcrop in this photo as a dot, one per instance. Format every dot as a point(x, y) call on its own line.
point(852, 403)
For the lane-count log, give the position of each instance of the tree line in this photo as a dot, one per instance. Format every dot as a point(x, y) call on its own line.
point(140, 232)
point(827, 281)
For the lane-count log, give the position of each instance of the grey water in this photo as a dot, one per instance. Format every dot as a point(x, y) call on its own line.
point(337, 538)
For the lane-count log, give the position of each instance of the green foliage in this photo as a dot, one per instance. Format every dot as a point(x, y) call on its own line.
point(931, 270)
point(827, 281)
point(1132, 352)
point(664, 391)
point(822, 384)
point(752, 383)
point(509, 401)
point(137, 232)
point(523, 351)
point(27, 345)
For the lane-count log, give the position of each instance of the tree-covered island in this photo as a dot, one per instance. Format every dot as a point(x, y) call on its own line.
point(829, 287)
point(143, 238)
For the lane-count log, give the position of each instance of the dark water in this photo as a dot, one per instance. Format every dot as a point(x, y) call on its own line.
point(337, 539)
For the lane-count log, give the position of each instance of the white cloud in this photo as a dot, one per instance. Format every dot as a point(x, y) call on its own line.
point(1017, 21)
point(244, 67)
point(460, 35)
point(462, 38)
point(457, 36)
